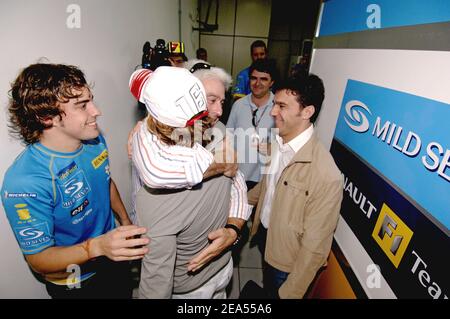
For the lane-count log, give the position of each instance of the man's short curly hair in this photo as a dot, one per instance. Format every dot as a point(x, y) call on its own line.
point(308, 89)
point(36, 94)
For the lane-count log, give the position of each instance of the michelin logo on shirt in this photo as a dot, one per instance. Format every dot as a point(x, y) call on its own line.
point(74, 190)
point(20, 195)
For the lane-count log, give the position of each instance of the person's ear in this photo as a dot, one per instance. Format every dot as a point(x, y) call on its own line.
point(49, 121)
point(53, 121)
point(308, 112)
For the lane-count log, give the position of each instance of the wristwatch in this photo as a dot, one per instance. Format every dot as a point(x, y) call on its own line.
point(237, 230)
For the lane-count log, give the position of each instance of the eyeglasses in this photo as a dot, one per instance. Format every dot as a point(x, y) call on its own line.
point(254, 118)
point(200, 66)
point(256, 122)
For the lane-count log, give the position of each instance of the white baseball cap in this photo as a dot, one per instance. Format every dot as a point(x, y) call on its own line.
point(173, 96)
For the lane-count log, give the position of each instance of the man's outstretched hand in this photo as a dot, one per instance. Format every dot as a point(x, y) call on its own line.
point(221, 239)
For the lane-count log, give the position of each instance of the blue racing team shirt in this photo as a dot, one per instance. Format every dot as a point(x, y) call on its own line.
point(58, 199)
point(242, 87)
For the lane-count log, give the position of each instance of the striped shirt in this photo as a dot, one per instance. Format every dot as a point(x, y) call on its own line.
point(158, 165)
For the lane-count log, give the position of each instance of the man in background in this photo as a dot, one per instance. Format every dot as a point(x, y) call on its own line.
point(202, 54)
point(251, 120)
point(258, 51)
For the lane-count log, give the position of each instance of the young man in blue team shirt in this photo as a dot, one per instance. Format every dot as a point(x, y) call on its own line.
point(58, 194)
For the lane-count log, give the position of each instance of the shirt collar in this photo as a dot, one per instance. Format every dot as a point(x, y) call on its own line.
point(296, 143)
point(253, 105)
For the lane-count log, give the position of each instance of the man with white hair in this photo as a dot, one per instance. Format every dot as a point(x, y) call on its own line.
point(215, 81)
point(172, 213)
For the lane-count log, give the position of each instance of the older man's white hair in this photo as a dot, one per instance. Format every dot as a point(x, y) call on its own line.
point(211, 73)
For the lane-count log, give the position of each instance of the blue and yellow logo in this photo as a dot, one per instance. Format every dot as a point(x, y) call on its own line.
point(22, 211)
point(99, 160)
point(67, 171)
point(392, 234)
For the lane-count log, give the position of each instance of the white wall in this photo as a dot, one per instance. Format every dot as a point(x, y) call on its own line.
point(107, 47)
point(188, 22)
point(252, 19)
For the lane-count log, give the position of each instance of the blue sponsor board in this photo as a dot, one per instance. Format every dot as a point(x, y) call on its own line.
point(405, 138)
point(341, 16)
point(409, 249)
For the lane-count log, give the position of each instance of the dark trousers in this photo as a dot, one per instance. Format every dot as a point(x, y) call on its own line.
point(112, 280)
point(272, 278)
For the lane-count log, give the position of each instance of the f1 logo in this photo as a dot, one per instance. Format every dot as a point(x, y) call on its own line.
point(392, 234)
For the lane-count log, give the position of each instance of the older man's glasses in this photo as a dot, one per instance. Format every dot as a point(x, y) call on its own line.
point(200, 66)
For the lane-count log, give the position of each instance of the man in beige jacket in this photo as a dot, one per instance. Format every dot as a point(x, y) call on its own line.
point(298, 201)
